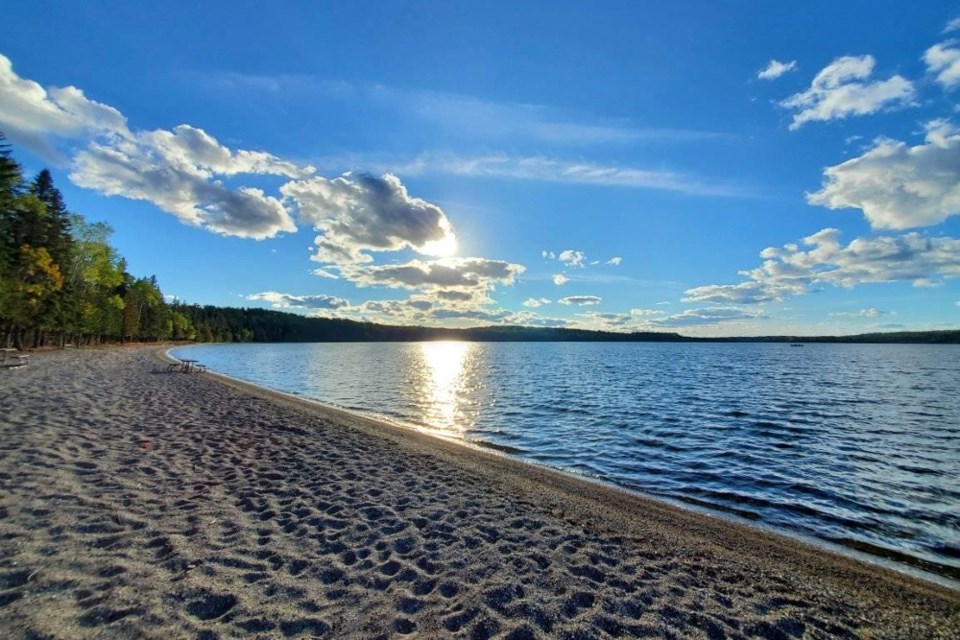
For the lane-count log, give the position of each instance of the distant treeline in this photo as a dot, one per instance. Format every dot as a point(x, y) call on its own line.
point(220, 324)
point(62, 283)
point(951, 336)
point(225, 324)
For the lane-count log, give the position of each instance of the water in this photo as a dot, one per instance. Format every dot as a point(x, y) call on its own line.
point(855, 444)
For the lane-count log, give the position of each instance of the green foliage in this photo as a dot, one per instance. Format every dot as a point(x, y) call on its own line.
point(59, 276)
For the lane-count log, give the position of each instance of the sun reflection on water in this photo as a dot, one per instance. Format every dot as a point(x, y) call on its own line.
point(444, 365)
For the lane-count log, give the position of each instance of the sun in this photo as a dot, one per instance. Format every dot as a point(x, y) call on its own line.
point(443, 248)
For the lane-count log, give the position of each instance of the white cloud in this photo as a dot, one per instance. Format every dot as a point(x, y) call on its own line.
point(790, 271)
point(572, 257)
point(536, 302)
point(555, 170)
point(454, 295)
point(706, 316)
point(606, 321)
point(421, 310)
point(449, 283)
point(324, 273)
point(458, 115)
point(470, 314)
point(285, 300)
point(943, 60)
point(28, 112)
point(871, 312)
point(898, 186)
point(136, 168)
point(576, 258)
point(176, 170)
point(659, 321)
point(953, 25)
point(560, 279)
point(580, 300)
point(532, 319)
point(641, 313)
point(356, 214)
point(409, 311)
point(775, 69)
point(462, 115)
point(196, 150)
point(843, 89)
point(443, 273)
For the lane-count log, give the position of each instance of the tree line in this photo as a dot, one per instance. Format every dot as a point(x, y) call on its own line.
point(60, 279)
point(227, 324)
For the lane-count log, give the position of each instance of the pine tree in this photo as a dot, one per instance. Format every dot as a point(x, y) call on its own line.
point(11, 188)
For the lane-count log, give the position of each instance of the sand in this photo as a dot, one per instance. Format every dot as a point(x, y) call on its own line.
point(140, 504)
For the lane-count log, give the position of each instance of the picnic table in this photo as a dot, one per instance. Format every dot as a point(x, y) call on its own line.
point(187, 365)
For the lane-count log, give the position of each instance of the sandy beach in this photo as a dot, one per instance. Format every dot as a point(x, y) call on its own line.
point(140, 504)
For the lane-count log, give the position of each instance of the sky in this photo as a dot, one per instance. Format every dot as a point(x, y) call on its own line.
point(710, 168)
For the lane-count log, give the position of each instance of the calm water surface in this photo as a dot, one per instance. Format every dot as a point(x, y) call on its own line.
point(855, 444)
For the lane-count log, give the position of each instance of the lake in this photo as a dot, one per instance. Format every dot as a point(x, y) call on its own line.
point(858, 445)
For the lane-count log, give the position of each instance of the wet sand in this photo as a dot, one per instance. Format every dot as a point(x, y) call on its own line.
point(140, 504)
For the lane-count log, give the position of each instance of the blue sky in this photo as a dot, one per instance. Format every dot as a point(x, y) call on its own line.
point(712, 168)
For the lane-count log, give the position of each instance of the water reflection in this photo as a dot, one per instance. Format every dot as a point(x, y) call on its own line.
point(444, 372)
point(858, 444)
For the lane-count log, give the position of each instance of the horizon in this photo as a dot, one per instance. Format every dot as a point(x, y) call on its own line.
point(693, 169)
point(493, 327)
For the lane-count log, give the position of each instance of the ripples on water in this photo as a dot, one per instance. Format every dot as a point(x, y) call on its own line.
point(855, 444)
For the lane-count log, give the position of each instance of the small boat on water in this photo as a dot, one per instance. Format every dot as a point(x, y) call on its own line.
point(796, 344)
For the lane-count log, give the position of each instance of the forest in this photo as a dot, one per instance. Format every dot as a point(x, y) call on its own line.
point(62, 283)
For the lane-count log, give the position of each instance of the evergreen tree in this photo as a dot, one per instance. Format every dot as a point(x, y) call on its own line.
point(57, 222)
point(11, 176)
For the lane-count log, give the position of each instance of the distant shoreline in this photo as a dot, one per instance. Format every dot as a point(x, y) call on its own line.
point(251, 324)
point(483, 335)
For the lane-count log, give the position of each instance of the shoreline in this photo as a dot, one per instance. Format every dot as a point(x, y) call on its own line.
point(914, 570)
point(594, 488)
point(154, 505)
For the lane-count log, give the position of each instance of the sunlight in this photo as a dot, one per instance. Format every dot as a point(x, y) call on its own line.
point(443, 248)
point(444, 366)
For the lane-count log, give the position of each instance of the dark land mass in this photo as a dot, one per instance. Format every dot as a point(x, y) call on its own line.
point(220, 324)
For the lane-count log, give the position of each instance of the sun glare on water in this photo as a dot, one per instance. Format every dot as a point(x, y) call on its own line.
point(444, 364)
